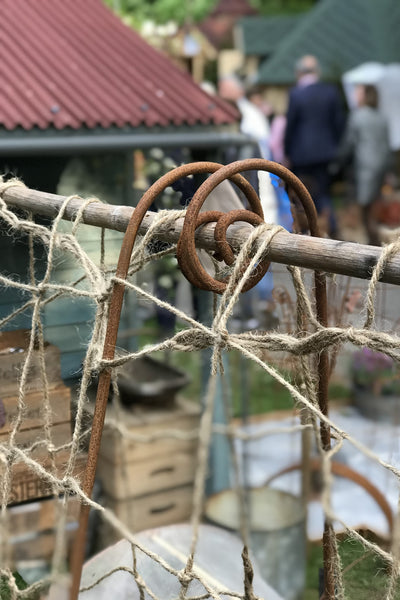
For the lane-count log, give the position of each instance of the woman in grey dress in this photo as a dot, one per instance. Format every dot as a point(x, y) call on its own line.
point(366, 140)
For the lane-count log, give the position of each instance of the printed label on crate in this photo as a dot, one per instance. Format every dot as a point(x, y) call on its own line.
point(29, 489)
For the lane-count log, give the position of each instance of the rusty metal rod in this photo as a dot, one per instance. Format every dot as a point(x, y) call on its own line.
point(330, 256)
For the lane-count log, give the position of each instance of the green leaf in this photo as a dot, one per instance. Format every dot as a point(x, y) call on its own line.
point(5, 592)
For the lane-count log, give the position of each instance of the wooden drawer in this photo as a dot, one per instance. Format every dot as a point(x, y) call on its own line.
point(128, 480)
point(147, 512)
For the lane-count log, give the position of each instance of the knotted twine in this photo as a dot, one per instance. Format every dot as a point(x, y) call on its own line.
point(199, 336)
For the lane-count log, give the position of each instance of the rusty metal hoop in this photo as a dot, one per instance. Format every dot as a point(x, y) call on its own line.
point(342, 470)
point(186, 250)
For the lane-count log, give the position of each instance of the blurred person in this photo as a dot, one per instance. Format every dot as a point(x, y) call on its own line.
point(273, 197)
point(314, 127)
point(253, 121)
point(255, 96)
point(277, 138)
point(366, 141)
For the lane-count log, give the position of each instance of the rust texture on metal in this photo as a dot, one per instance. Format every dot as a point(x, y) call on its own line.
point(193, 270)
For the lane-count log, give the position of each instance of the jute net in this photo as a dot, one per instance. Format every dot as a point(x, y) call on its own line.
point(306, 341)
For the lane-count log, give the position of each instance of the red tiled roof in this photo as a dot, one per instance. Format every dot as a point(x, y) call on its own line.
point(73, 63)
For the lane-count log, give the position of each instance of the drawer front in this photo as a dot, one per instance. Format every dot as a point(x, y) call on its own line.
point(148, 512)
point(11, 363)
point(117, 449)
point(130, 480)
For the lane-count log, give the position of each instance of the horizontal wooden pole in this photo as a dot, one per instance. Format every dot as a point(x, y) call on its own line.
point(330, 256)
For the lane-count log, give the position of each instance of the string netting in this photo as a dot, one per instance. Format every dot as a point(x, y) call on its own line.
point(302, 338)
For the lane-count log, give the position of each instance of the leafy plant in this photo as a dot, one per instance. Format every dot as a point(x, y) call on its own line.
point(5, 592)
point(135, 12)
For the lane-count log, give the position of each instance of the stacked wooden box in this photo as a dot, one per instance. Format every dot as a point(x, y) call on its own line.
point(32, 514)
point(32, 530)
point(149, 484)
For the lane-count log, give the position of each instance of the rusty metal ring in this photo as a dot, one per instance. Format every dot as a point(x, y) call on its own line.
point(224, 251)
point(210, 216)
point(221, 228)
point(186, 249)
point(197, 168)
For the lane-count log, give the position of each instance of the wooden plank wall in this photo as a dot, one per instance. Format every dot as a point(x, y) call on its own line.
point(68, 321)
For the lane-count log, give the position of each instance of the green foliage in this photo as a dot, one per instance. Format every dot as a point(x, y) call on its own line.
point(135, 12)
point(365, 575)
point(251, 389)
point(162, 11)
point(5, 593)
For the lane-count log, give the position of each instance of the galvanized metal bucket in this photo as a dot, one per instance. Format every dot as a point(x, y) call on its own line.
point(277, 524)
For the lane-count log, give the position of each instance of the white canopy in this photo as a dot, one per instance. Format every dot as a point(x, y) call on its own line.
point(387, 79)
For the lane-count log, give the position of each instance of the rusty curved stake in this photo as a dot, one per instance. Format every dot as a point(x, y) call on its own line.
point(187, 258)
point(186, 251)
point(78, 552)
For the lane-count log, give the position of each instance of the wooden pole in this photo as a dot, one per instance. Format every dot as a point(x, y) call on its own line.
point(330, 256)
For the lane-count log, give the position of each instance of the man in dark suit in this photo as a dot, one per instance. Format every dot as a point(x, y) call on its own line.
point(314, 128)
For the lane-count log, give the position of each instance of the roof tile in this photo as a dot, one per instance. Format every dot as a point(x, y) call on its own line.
point(68, 63)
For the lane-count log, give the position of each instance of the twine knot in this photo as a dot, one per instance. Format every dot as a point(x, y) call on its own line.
point(103, 297)
point(222, 338)
point(4, 185)
point(185, 577)
point(10, 455)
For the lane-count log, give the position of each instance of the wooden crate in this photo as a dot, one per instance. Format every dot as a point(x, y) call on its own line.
point(129, 468)
point(147, 512)
point(31, 518)
point(13, 347)
point(40, 546)
point(60, 406)
point(183, 416)
point(60, 435)
point(26, 484)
